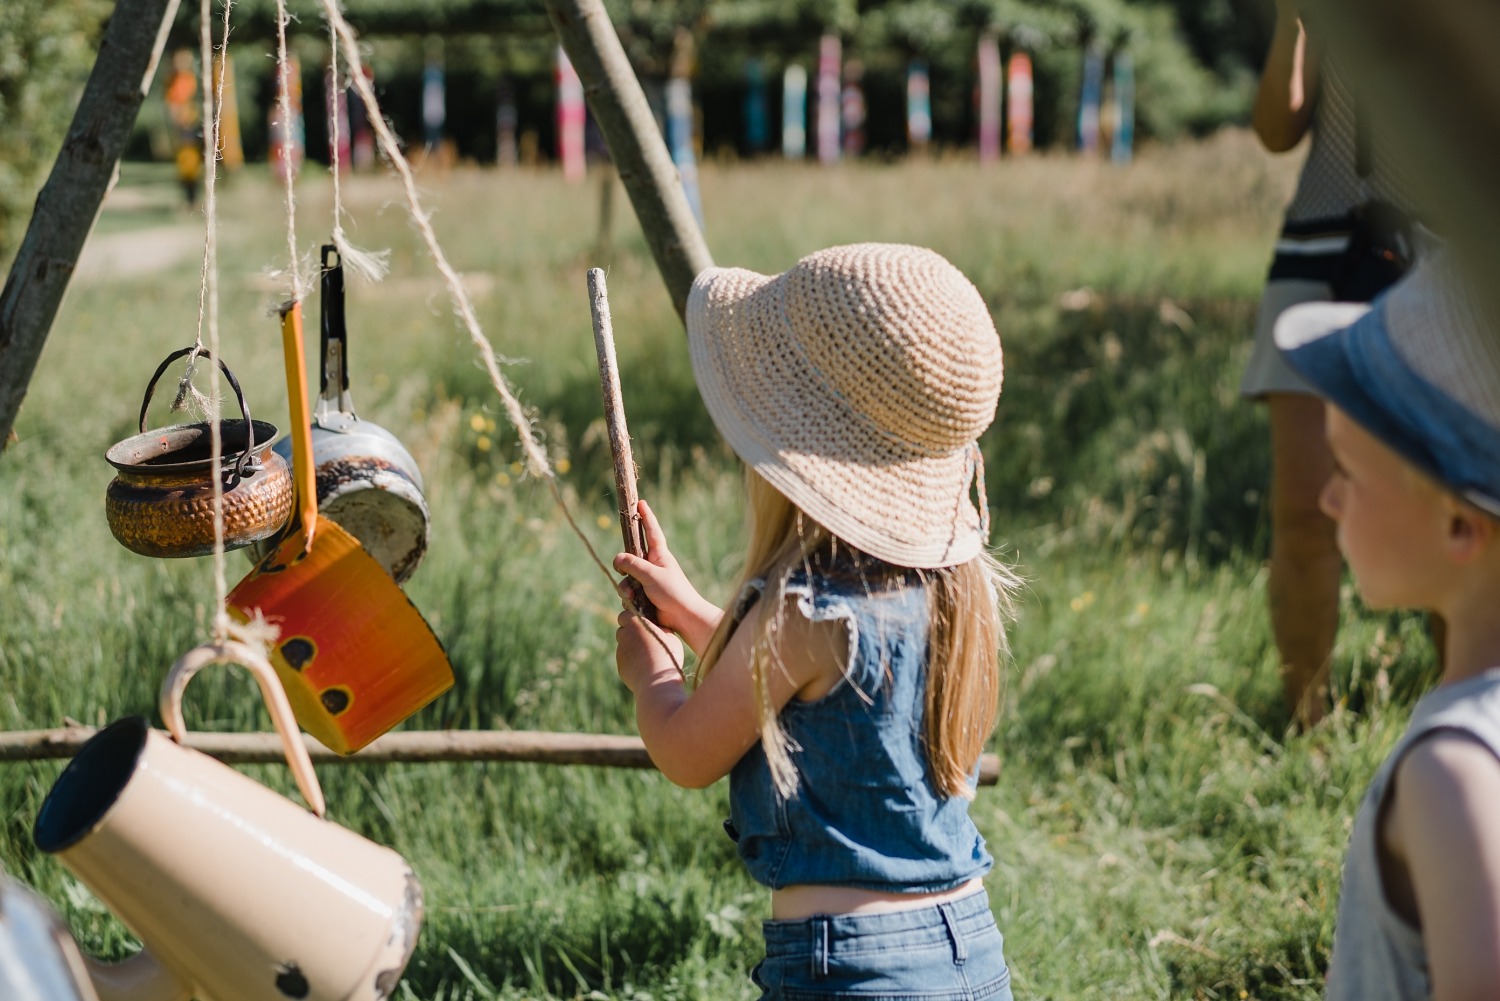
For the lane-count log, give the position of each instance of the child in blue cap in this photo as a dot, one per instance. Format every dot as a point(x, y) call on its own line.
point(1413, 418)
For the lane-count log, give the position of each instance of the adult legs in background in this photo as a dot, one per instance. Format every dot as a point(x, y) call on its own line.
point(1305, 562)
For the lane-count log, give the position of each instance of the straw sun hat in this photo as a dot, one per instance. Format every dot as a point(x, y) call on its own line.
point(857, 383)
point(1419, 370)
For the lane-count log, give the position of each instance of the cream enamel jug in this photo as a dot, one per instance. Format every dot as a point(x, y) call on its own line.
point(236, 893)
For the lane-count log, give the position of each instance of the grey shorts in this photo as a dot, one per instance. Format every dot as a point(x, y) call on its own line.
point(1267, 372)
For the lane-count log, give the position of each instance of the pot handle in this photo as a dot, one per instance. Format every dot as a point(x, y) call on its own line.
point(333, 388)
point(232, 652)
point(249, 453)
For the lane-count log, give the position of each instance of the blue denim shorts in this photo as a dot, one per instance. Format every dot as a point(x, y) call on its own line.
point(947, 952)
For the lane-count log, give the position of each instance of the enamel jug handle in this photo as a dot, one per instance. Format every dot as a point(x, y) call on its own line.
point(255, 661)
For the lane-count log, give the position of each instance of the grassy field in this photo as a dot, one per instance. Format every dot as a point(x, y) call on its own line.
point(1158, 831)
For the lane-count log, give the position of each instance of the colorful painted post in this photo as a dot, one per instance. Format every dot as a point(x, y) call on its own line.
point(680, 140)
point(434, 102)
point(757, 118)
point(506, 120)
point(185, 114)
point(361, 134)
point(794, 112)
point(1122, 148)
point(571, 116)
point(989, 98)
point(287, 139)
point(918, 107)
point(829, 60)
point(1018, 113)
point(1089, 100)
point(852, 109)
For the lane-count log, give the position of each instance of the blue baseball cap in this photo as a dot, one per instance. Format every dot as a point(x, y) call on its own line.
point(1419, 369)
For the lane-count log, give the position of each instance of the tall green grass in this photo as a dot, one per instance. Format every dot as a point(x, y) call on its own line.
point(1158, 832)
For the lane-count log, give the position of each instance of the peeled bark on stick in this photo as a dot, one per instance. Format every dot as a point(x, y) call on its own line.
point(85, 170)
point(632, 532)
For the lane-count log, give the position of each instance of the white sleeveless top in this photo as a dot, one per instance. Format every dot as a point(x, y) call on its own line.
point(1376, 954)
point(1329, 186)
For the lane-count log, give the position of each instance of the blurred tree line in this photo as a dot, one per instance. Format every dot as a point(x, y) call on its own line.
point(1195, 64)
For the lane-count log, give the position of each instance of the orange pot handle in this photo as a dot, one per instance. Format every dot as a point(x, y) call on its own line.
point(304, 476)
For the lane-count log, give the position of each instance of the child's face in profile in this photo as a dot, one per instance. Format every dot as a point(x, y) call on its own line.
point(1392, 521)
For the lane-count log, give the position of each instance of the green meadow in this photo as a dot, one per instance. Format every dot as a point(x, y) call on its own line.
point(1159, 831)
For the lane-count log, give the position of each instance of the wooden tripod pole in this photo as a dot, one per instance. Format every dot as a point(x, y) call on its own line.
point(84, 171)
point(632, 532)
point(635, 143)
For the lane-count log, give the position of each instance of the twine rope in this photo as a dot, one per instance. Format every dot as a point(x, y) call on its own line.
point(213, 110)
point(536, 457)
point(284, 102)
point(368, 265)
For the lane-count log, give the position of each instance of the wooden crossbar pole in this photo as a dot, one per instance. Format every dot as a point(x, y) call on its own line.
point(422, 746)
point(69, 202)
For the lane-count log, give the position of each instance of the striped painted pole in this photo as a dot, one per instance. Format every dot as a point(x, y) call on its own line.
point(1089, 100)
point(1122, 148)
point(1018, 110)
point(572, 114)
point(829, 61)
point(794, 112)
point(989, 98)
point(918, 106)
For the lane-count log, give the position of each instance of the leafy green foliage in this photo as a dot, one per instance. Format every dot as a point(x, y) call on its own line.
point(46, 50)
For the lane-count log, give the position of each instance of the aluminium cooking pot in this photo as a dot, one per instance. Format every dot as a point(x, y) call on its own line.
point(161, 501)
point(367, 481)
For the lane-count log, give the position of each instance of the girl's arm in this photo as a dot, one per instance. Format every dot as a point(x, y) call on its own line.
point(1442, 829)
point(696, 739)
point(679, 606)
point(1288, 83)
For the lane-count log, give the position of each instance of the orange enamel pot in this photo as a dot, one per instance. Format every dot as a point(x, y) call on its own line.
point(354, 654)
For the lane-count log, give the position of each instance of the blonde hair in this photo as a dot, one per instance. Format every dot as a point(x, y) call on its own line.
point(968, 606)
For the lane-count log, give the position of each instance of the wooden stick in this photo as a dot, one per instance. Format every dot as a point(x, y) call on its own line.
point(635, 143)
point(69, 203)
point(631, 530)
point(420, 746)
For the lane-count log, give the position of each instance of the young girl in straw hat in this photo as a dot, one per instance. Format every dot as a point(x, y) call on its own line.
point(848, 691)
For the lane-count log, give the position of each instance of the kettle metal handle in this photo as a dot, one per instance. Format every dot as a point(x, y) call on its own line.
point(255, 661)
point(249, 453)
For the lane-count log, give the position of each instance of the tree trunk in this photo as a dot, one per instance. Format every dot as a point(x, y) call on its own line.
point(69, 203)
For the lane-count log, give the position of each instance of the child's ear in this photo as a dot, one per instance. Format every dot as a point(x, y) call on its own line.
point(1470, 532)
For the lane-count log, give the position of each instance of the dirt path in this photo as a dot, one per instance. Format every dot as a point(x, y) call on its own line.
point(117, 256)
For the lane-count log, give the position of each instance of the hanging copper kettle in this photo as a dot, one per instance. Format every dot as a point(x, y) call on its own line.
point(161, 501)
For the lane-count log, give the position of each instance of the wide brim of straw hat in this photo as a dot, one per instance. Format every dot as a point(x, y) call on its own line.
point(1419, 370)
point(907, 505)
